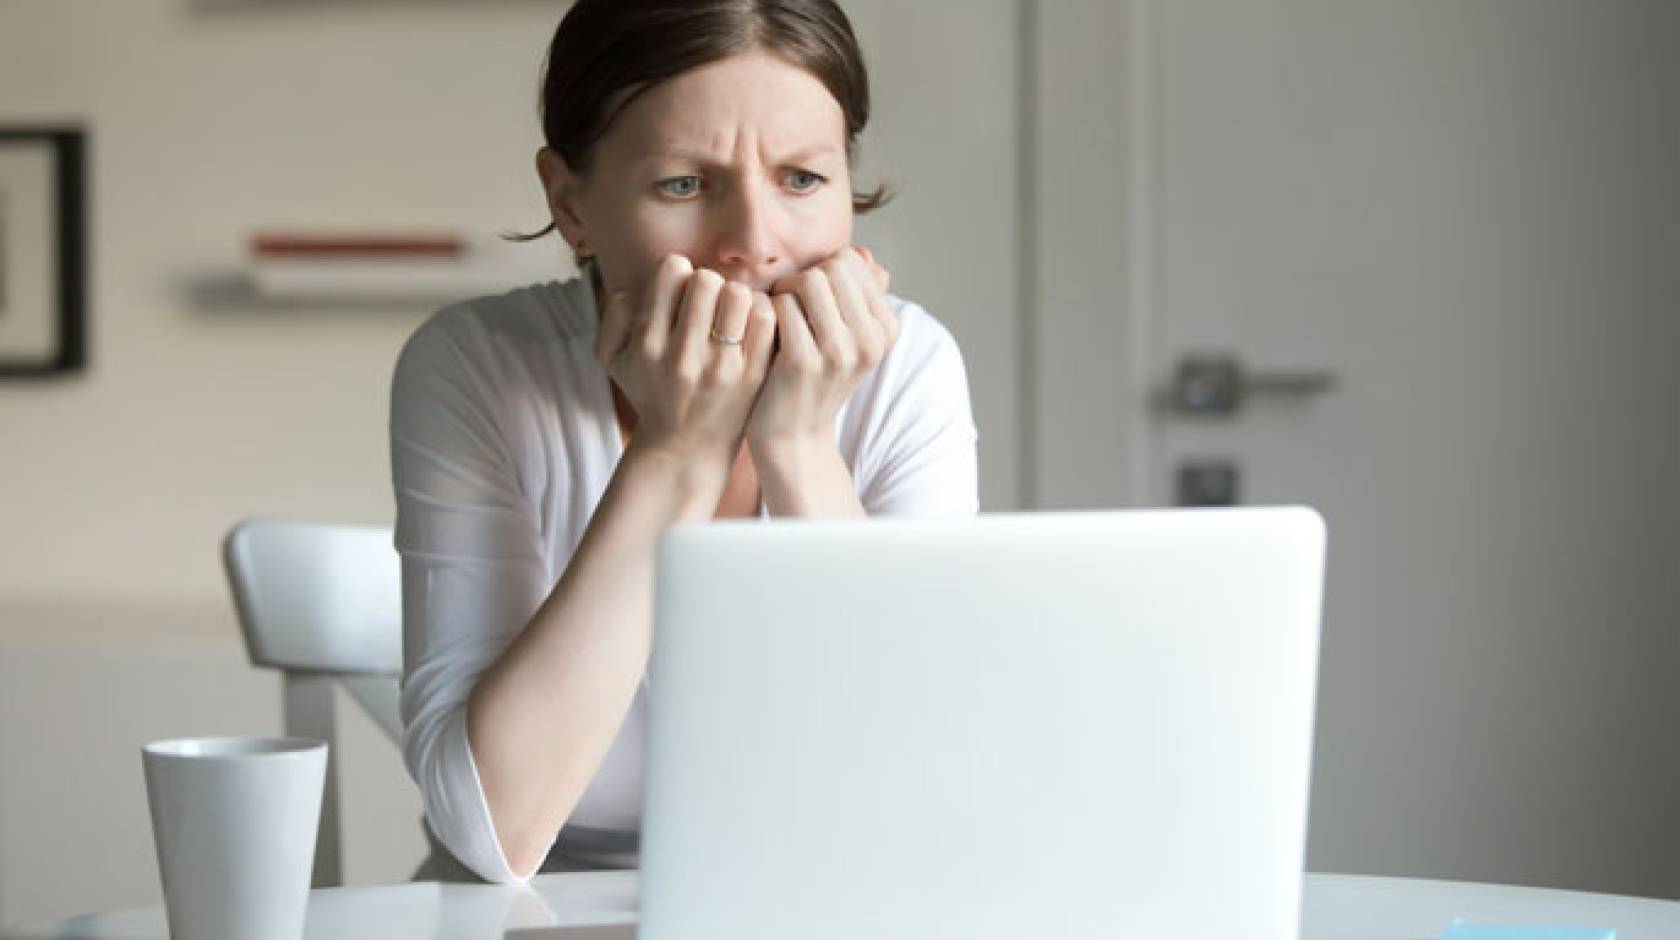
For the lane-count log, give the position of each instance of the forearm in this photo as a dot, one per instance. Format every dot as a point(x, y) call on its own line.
point(805, 479)
point(542, 718)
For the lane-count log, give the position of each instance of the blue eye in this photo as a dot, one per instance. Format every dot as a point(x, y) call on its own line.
point(680, 187)
point(804, 180)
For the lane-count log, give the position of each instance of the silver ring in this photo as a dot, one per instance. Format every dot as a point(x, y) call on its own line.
point(725, 340)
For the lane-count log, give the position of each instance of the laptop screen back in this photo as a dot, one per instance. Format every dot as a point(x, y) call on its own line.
point(1052, 725)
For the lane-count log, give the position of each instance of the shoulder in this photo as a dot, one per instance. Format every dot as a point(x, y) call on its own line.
point(919, 330)
point(925, 353)
point(492, 335)
point(480, 383)
point(534, 314)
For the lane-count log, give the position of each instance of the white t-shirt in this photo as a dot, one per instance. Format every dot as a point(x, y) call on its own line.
point(503, 438)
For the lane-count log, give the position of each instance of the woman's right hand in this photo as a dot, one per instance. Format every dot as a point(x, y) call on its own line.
point(692, 394)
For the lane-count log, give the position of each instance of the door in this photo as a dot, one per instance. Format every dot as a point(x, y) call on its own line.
point(1464, 213)
point(1445, 236)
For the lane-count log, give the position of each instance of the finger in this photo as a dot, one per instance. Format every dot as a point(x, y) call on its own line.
point(816, 299)
point(880, 305)
point(615, 327)
point(660, 301)
point(758, 337)
point(877, 308)
point(699, 311)
point(734, 307)
point(852, 284)
point(848, 279)
point(881, 277)
point(793, 329)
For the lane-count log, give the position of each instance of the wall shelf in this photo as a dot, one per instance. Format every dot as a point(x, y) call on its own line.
point(237, 289)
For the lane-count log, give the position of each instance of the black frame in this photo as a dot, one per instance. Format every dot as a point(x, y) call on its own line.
point(69, 147)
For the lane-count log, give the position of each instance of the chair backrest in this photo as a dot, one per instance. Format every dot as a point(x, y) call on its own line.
point(323, 605)
point(317, 597)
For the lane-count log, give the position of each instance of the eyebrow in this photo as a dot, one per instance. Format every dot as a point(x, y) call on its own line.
point(705, 159)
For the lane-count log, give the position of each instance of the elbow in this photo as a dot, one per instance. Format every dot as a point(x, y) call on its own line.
point(479, 858)
point(525, 853)
point(457, 809)
point(522, 843)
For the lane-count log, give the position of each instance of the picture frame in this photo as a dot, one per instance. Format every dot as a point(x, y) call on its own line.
point(43, 224)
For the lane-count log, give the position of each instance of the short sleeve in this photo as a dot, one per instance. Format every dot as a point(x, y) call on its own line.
point(473, 570)
point(919, 456)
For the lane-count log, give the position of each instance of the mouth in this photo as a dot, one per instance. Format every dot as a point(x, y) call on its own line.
point(758, 285)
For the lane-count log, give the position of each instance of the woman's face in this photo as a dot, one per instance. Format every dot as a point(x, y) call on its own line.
point(739, 165)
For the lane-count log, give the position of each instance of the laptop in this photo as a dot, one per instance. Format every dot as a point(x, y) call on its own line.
point(1038, 725)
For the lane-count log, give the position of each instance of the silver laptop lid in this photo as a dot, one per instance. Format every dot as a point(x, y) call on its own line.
point(1056, 725)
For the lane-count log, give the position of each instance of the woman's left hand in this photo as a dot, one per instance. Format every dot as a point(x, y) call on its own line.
point(834, 323)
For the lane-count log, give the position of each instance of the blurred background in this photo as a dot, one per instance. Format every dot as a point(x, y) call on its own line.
point(1414, 262)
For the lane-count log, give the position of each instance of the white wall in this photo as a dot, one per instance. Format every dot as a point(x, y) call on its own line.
point(208, 121)
point(205, 124)
point(1087, 203)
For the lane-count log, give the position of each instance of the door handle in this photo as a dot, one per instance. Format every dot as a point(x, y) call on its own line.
point(1220, 385)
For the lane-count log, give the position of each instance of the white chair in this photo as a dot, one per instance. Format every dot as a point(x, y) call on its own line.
point(322, 604)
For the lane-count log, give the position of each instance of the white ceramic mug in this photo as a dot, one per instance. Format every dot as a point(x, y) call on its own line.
point(234, 820)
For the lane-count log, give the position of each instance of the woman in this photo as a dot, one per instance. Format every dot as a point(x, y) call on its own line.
point(725, 353)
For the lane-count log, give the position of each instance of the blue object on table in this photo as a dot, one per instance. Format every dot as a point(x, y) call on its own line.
point(1463, 931)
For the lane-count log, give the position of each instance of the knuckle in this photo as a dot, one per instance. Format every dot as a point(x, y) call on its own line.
point(724, 372)
point(688, 374)
point(709, 279)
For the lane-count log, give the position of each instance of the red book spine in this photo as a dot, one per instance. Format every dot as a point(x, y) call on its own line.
point(276, 245)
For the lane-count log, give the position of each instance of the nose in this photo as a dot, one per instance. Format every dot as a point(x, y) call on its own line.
point(749, 243)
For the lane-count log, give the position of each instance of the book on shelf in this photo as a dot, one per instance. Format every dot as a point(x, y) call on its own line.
point(275, 244)
point(417, 266)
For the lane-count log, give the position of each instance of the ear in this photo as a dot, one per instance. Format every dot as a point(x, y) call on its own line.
point(560, 191)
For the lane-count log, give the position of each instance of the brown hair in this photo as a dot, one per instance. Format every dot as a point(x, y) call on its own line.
point(607, 52)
